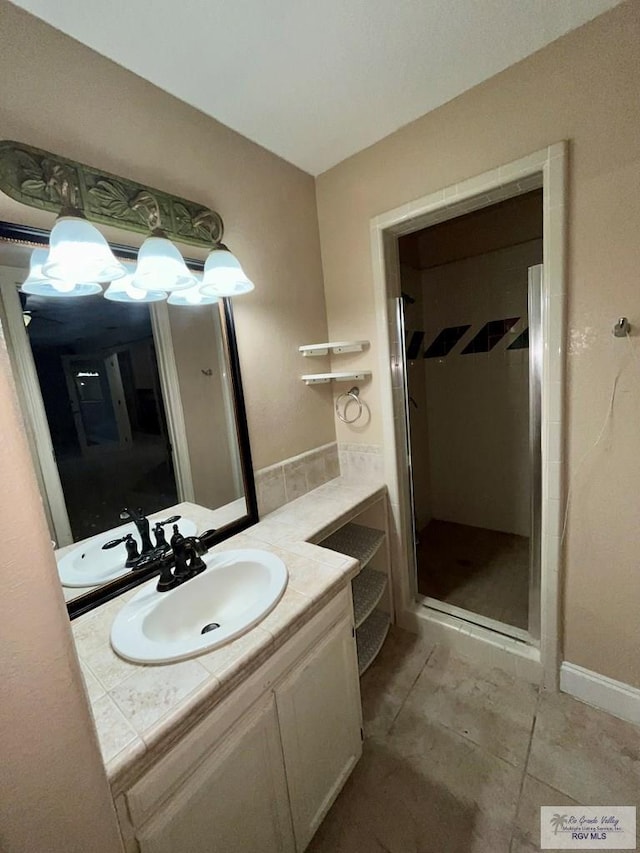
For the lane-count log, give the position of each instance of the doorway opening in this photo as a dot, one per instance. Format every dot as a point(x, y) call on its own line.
point(474, 635)
point(471, 301)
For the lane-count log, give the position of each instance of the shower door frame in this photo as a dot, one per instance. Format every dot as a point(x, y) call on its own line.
point(544, 169)
point(531, 634)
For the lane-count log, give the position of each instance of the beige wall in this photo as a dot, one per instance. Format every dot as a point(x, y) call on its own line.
point(583, 88)
point(63, 97)
point(60, 96)
point(54, 794)
point(213, 451)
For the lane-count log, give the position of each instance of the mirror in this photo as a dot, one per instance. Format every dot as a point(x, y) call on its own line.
point(126, 405)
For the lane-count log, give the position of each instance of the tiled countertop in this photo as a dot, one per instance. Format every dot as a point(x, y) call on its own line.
point(141, 710)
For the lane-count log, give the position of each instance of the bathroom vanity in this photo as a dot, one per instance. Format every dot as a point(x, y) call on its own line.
point(260, 771)
point(246, 747)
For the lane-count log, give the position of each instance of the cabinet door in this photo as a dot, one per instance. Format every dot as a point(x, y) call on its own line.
point(234, 802)
point(320, 728)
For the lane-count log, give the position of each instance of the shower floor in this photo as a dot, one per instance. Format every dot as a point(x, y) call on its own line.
point(483, 571)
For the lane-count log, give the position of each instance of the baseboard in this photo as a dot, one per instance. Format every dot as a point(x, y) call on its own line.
point(614, 697)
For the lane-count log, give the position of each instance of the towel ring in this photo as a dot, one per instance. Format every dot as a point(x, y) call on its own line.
point(353, 396)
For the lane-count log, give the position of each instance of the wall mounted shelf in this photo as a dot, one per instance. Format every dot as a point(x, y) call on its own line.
point(350, 376)
point(336, 347)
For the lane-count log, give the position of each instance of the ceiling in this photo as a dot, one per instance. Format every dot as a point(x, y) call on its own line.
point(315, 82)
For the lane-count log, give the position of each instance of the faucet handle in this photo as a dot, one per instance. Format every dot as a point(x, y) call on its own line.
point(161, 539)
point(194, 548)
point(171, 520)
point(131, 545)
point(177, 537)
point(112, 543)
point(167, 580)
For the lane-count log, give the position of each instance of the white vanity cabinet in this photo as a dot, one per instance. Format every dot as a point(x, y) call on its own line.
point(259, 773)
point(319, 712)
point(235, 801)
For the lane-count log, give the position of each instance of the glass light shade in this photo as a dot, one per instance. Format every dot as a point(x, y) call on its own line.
point(224, 276)
point(39, 284)
point(161, 267)
point(192, 297)
point(124, 290)
point(79, 252)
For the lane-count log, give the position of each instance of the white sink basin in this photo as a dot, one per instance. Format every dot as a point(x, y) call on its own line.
point(89, 565)
point(236, 590)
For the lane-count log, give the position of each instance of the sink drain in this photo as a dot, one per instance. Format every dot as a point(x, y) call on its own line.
point(210, 627)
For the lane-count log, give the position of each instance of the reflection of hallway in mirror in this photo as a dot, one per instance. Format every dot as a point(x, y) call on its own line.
point(97, 487)
point(483, 571)
point(98, 374)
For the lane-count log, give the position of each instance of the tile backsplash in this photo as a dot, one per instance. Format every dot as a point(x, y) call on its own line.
point(361, 462)
point(290, 479)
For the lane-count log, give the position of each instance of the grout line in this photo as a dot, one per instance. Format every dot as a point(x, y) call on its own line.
point(524, 771)
point(465, 737)
point(413, 684)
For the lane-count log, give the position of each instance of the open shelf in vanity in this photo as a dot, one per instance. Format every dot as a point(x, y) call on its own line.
point(366, 539)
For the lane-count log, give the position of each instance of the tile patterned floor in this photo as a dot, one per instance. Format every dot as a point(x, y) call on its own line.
point(484, 571)
point(458, 758)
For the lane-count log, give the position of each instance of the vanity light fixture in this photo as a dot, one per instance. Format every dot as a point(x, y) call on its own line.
point(124, 290)
point(160, 264)
point(79, 253)
point(192, 297)
point(39, 284)
point(223, 274)
point(77, 250)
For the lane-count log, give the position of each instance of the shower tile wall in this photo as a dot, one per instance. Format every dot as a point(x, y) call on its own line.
point(472, 409)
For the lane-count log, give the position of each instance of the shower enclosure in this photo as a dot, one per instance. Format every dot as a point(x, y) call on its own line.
point(472, 330)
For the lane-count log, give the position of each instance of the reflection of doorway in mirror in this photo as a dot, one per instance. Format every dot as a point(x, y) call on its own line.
point(90, 368)
point(97, 401)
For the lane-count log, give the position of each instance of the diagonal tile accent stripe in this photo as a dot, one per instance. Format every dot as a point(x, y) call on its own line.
point(445, 341)
point(414, 345)
point(489, 335)
point(522, 341)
